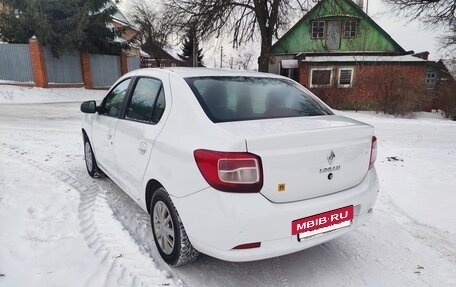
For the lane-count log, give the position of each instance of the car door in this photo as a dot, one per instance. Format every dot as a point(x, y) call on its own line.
point(104, 126)
point(136, 133)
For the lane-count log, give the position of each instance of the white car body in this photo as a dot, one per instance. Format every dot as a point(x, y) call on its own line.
point(294, 155)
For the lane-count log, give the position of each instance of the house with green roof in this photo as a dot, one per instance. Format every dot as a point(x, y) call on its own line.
point(341, 54)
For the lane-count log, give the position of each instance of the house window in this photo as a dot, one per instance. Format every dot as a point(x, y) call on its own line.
point(345, 77)
point(350, 28)
point(431, 80)
point(318, 29)
point(321, 77)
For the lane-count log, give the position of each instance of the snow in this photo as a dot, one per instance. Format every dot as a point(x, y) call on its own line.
point(59, 227)
point(30, 95)
point(424, 172)
point(404, 58)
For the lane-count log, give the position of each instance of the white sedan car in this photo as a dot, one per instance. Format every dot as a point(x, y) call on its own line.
point(240, 166)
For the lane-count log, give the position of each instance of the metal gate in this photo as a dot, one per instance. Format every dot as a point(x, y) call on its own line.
point(16, 63)
point(66, 69)
point(105, 70)
point(133, 63)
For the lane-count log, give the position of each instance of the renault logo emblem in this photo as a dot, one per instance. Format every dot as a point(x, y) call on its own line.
point(331, 157)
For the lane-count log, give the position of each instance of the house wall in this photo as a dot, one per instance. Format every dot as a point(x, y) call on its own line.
point(152, 63)
point(274, 66)
point(370, 82)
point(127, 32)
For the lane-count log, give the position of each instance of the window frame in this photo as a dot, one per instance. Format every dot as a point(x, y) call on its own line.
point(352, 69)
point(351, 31)
point(434, 80)
point(321, 69)
point(312, 29)
point(130, 97)
point(125, 99)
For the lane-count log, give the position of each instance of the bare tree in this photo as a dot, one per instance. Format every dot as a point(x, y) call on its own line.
point(240, 17)
point(155, 29)
point(244, 59)
point(433, 13)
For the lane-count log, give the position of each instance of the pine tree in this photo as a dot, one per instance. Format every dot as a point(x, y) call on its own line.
point(61, 25)
point(191, 42)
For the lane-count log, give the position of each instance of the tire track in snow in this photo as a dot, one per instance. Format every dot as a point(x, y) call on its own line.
point(126, 265)
point(273, 273)
point(278, 270)
point(426, 234)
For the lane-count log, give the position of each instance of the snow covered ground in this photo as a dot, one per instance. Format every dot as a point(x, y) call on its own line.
point(31, 95)
point(59, 227)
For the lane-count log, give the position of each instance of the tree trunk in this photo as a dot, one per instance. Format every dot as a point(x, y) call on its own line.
point(265, 53)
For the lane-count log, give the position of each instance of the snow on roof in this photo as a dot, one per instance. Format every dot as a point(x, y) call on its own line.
point(404, 59)
point(171, 52)
point(144, 54)
point(119, 40)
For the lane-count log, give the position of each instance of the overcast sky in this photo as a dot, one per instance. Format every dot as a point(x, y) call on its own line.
point(410, 35)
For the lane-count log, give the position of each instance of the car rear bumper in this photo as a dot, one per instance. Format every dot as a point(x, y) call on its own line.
point(216, 221)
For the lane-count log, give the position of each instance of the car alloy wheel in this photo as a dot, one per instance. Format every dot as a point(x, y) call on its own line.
point(163, 227)
point(169, 233)
point(88, 156)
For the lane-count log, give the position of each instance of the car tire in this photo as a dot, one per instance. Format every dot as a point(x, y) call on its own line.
point(169, 233)
point(90, 161)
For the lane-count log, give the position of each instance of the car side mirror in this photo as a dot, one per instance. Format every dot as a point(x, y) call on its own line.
point(89, 107)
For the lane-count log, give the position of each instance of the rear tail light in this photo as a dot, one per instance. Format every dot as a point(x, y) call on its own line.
point(230, 171)
point(373, 155)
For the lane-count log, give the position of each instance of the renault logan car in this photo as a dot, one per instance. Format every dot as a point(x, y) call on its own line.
point(237, 165)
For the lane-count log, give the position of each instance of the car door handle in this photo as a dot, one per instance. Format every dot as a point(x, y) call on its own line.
point(142, 146)
point(110, 133)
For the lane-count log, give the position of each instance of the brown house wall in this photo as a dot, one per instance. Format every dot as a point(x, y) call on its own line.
point(127, 32)
point(369, 81)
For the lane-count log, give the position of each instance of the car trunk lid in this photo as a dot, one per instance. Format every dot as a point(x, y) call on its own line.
point(307, 157)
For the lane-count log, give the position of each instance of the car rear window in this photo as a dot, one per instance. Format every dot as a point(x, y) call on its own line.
point(227, 99)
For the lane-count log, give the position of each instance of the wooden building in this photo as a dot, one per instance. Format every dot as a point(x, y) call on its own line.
point(348, 60)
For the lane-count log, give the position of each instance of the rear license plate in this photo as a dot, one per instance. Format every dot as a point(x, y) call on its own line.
point(323, 222)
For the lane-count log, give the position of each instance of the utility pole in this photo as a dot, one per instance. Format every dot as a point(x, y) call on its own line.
point(221, 57)
point(194, 55)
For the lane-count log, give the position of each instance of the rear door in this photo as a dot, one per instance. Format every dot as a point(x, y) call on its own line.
point(136, 133)
point(104, 126)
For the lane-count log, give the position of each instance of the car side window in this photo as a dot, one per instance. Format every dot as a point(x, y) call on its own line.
point(159, 107)
point(112, 104)
point(147, 102)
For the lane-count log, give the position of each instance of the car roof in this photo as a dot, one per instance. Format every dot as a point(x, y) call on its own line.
point(188, 72)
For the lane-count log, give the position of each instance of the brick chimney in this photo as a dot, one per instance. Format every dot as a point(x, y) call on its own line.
point(423, 55)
